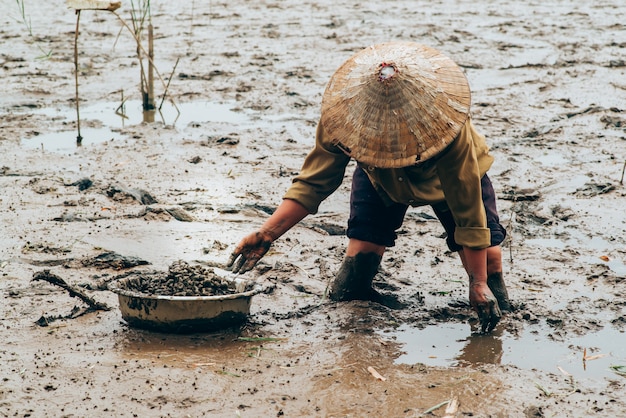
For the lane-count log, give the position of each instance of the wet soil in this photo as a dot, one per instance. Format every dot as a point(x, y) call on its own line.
point(246, 80)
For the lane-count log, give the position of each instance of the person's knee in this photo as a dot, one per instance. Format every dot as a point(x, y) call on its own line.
point(356, 246)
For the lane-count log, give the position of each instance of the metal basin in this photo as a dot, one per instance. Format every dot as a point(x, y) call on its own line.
point(182, 314)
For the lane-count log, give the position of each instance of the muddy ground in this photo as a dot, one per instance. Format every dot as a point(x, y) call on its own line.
point(548, 82)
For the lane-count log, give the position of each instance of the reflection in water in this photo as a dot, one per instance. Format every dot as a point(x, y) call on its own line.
point(481, 348)
point(452, 345)
point(113, 117)
point(533, 347)
point(148, 116)
point(184, 351)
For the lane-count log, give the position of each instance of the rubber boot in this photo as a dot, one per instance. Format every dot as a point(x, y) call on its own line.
point(355, 277)
point(495, 281)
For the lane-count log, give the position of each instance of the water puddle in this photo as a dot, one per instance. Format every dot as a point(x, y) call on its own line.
point(65, 141)
point(161, 246)
point(113, 118)
point(455, 345)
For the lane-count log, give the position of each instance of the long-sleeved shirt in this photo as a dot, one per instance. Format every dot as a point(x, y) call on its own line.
point(453, 175)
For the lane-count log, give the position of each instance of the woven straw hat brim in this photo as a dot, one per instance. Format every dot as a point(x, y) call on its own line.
point(395, 104)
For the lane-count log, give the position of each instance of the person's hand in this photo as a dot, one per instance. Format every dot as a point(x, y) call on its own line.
point(486, 306)
point(249, 251)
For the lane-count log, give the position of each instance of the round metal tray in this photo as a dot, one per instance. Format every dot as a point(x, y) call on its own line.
point(182, 314)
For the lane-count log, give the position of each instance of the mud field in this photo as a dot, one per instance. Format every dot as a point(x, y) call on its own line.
point(549, 86)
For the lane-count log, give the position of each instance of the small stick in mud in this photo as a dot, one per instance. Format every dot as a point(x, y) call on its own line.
point(51, 278)
point(375, 373)
point(434, 408)
point(452, 408)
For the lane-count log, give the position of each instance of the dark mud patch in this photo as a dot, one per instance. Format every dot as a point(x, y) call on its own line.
point(113, 260)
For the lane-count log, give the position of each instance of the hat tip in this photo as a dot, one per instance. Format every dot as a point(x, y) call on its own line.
point(386, 71)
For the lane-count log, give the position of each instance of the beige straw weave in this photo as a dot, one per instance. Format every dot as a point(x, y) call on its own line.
point(395, 104)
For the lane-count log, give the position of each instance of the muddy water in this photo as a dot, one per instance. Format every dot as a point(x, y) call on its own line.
point(533, 348)
point(112, 119)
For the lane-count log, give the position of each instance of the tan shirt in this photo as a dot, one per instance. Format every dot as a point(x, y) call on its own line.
point(453, 176)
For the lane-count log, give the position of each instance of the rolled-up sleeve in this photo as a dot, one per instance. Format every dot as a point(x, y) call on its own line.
point(321, 174)
point(460, 173)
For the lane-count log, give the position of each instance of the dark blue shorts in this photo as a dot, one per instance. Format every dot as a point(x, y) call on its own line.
point(373, 221)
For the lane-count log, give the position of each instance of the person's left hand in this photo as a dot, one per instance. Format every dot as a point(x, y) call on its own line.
point(486, 306)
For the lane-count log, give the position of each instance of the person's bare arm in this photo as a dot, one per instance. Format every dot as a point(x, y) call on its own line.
point(480, 296)
point(255, 245)
point(286, 215)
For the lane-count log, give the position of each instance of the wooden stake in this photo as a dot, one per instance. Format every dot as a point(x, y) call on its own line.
point(150, 104)
point(79, 138)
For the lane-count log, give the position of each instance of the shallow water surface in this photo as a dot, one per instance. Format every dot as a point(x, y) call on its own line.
point(113, 117)
point(456, 345)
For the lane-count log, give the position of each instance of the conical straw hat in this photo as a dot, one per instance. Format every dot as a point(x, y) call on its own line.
point(395, 104)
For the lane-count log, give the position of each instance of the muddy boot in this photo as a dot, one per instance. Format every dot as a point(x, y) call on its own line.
point(495, 281)
point(355, 277)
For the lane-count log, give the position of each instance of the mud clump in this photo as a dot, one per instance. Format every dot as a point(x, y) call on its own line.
point(183, 279)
